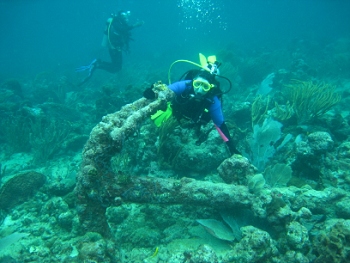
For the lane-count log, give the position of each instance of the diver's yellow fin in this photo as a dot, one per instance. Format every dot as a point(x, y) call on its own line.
point(211, 59)
point(202, 60)
point(157, 114)
point(161, 116)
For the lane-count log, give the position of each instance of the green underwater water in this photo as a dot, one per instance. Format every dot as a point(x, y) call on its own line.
point(86, 176)
point(286, 198)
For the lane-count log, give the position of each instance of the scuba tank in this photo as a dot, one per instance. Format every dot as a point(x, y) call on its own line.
point(105, 35)
point(104, 41)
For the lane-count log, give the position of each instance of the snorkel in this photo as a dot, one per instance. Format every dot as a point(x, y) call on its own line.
point(208, 64)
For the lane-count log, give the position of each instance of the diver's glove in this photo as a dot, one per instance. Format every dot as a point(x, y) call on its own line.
point(149, 93)
point(232, 147)
point(230, 144)
point(155, 90)
point(202, 138)
point(138, 23)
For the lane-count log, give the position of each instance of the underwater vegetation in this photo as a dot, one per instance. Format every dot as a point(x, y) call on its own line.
point(311, 100)
point(86, 176)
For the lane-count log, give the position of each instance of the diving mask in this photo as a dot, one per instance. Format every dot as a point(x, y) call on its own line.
point(201, 86)
point(125, 15)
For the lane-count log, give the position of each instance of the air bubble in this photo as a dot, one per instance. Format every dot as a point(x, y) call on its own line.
point(201, 13)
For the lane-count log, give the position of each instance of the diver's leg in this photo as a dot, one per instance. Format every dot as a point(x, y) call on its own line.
point(117, 59)
point(114, 66)
point(116, 62)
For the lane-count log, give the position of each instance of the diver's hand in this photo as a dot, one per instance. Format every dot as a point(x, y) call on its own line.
point(149, 93)
point(232, 147)
point(138, 23)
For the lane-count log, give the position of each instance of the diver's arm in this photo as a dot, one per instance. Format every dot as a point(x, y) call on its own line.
point(225, 135)
point(179, 86)
point(220, 125)
point(215, 111)
point(137, 24)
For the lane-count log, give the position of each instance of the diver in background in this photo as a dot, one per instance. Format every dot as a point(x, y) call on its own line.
point(117, 36)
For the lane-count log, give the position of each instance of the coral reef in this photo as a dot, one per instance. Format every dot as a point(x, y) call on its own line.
point(255, 246)
point(236, 169)
point(284, 208)
point(262, 143)
point(107, 139)
point(332, 243)
point(47, 137)
point(310, 154)
point(143, 193)
point(278, 175)
point(297, 236)
point(19, 188)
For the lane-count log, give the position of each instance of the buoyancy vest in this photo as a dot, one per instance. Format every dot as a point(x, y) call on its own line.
point(190, 106)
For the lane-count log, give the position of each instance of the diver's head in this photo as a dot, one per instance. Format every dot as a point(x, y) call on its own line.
point(202, 83)
point(125, 15)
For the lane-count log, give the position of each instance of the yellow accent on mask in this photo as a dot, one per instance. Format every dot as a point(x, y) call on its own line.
point(202, 83)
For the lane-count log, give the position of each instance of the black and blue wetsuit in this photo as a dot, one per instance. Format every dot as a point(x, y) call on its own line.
point(187, 101)
point(200, 109)
point(117, 36)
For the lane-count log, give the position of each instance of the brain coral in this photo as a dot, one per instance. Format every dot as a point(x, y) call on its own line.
point(19, 188)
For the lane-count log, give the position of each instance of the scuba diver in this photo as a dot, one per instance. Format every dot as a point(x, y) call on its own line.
point(117, 36)
point(197, 98)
